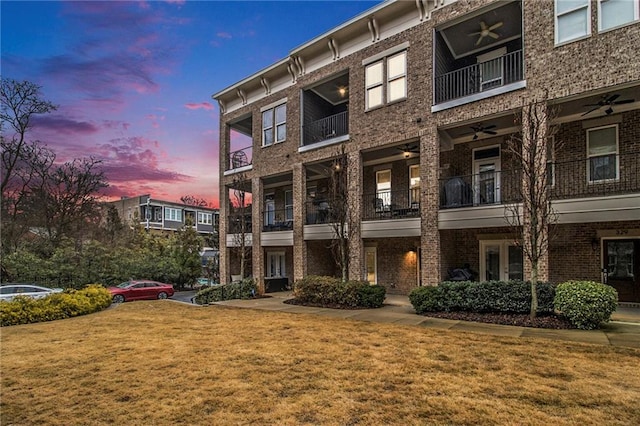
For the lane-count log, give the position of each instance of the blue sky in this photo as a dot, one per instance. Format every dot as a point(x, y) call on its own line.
point(133, 80)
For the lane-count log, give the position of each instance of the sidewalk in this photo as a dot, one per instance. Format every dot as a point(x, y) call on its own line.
point(623, 330)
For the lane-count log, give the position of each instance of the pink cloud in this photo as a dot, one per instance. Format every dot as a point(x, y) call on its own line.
point(201, 105)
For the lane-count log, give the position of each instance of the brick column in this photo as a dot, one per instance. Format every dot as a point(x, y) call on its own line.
point(429, 204)
point(222, 234)
point(299, 216)
point(535, 195)
point(257, 253)
point(354, 185)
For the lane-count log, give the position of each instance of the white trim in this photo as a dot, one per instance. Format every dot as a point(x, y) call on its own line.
point(480, 95)
point(616, 153)
point(272, 105)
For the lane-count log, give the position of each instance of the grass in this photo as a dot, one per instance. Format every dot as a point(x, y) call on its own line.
point(160, 362)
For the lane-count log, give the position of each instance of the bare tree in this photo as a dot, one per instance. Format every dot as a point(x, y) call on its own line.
point(20, 101)
point(530, 150)
point(241, 220)
point(341, 214)
point(193, 200)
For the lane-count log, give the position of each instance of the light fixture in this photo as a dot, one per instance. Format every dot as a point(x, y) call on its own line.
point(595, 244)
point(407, 154)
point(342, 91)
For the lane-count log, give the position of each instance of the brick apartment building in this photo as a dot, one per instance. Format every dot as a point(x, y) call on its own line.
point(420, 98)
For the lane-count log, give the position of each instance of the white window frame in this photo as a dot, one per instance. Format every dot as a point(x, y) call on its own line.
point(274, 126)
point(374, 257)
point(558, 16)
point(616, 153)
point(634, 17)
point(204, 218)
point(386, 79)
point(385, 193)
point(173, 214)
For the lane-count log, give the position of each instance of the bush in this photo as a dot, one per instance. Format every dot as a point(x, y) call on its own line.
point(245, 289)
point(486, 296)
point(330, 291)
point(70, 303)
point(586, 304)
point(427, 299)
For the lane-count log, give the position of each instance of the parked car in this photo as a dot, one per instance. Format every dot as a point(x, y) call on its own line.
point(140, 289)
point(10, 290)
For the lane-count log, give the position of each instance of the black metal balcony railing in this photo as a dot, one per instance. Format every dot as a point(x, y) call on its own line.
point(479, 189)
point(278, 220)
point(318, 211)
point(477, 78)
point(595, 177)
point(240, 158)
point(326, 128)
point(396, 204)
point(598, 176)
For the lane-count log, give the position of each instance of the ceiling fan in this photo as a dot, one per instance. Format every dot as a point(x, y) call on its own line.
point(609, 102)
point(486, 31)
point(408, 149)
point(479, 128)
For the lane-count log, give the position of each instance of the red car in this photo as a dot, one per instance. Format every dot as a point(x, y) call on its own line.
point(140, 289)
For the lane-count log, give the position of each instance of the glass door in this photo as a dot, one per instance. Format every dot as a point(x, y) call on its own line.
point(371, 270)
point(500, 261)
point(621, 266)
point(486, 169)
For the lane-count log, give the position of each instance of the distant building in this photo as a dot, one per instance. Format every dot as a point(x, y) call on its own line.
point(158, 215)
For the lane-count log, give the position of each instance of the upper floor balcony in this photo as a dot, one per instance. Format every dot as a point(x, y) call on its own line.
point(326, 128)
point(479, 55)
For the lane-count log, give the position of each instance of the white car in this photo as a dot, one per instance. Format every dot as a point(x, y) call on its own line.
point(11, 290)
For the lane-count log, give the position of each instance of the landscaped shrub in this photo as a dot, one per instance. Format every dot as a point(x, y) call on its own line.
point(245, 289)
point(330, 291)
point(486, 296)
point(586, 304)
point(70, 303)
point(426, 299)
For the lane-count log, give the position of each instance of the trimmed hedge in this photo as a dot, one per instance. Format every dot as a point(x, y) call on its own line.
point(245, 289)
point(486, 296)
point(70, 303)
point(330, 291)
point(586, 304)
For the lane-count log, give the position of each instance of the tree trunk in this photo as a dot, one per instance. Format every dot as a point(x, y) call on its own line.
point(534, 290)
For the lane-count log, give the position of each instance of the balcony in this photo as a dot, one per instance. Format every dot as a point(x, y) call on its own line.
point(326, 128)
point(278, 220)
point(599, 177)
point(241, 159)
point(478, 78)
point(398, 204)
point(235, 222)
point(485, 188)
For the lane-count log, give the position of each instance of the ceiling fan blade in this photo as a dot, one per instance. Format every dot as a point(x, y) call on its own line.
point(496, 25)
point(483, 26)
point(492, 126)
point(490, 132)
point(591, 110)
point(612, 98)
point(479, 40)
point(474, 34)
point(493, 35)
point(624, 101)
point(475, 137)
point(595, 105)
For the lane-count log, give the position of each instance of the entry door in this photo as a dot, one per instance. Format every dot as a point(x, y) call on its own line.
point(500, 261)
point(621, 263)
point(371, 267)
point(275, 264)
point(486, 169)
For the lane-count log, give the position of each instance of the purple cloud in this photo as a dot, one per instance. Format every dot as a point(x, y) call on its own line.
point(63, 125)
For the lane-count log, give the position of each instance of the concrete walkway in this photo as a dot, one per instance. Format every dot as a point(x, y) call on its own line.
point(623, 330)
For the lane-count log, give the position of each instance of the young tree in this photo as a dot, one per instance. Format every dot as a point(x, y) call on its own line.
point(341, 214)
point(530, 150)
point(185, 247)
point(240, 218)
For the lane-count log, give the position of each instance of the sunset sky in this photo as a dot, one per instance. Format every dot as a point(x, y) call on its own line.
point(133, 80)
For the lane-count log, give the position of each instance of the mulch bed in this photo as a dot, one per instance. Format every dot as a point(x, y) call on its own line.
point(520, 320)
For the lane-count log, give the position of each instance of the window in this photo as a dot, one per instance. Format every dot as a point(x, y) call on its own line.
point(573, 19)
point(274, 125)
point(551, 159)
point(602, 154)
point(204, 218)
point(395, 68)
point(173, 214)
point(414, 184)
point(269, 210)
point(288, 205)
point(615, 13)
